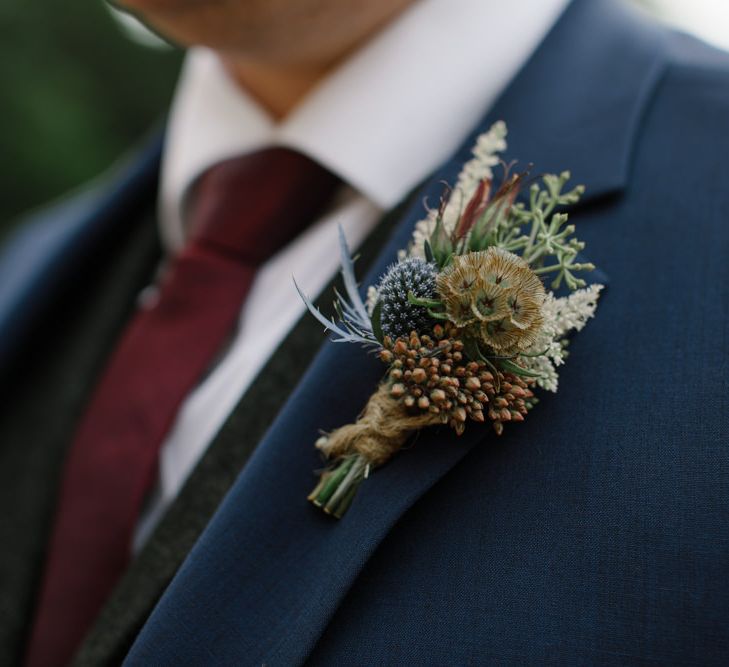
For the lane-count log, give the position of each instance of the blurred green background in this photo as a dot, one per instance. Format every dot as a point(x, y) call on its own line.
point(75, 93)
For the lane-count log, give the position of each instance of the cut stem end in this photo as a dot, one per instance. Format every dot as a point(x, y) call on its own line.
point(338, 486)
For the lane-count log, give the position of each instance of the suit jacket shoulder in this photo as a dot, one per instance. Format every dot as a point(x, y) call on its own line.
point(53, 246)
point(67, 282)
point(693, 95)
point(680, 155)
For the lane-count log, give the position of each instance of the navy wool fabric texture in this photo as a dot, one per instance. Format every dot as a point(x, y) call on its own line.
point(593, 533)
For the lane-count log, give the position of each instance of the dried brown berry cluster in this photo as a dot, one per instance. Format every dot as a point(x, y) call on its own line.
point(432, 373)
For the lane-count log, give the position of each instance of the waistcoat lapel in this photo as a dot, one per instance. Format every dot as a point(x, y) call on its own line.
point(269, 571)
point(152, 570)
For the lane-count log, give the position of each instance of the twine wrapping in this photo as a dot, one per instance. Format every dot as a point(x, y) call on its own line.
point(381, 430)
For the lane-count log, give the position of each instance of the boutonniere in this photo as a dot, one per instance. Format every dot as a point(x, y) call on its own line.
point(463, 321)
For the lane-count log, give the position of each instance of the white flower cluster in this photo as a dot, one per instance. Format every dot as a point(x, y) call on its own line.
point(561, 316)
point(485, 157)
point(371, 299)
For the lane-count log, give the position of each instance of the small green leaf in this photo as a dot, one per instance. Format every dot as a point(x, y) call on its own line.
point(441, 244)
point(427, 248)
point(536, 354)
point(444, 259)
point(511, 367)
point(377, 321)
point(425, 303)
point(470, 347)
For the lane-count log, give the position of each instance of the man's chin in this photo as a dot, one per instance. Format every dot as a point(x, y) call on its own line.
point(183, 22)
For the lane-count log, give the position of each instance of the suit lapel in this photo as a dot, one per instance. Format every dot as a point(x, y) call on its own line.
point(269, 570)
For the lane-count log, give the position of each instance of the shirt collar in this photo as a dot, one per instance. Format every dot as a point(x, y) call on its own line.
point(382, 121)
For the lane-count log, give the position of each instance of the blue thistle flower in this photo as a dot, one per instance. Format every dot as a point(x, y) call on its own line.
point(399, 317)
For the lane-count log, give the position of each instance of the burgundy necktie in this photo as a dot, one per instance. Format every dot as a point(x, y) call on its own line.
point(242, 212)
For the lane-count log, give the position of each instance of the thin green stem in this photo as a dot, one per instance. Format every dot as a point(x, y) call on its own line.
point(548, 269)
point(356, 467)
point(334, 478)
point(424, 302)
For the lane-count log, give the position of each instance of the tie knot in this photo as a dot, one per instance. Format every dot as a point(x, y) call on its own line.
point(249, 207)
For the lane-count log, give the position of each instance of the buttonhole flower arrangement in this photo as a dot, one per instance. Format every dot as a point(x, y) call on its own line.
point(463, 322)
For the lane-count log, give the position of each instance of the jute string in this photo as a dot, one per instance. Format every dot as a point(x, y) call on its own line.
point(382, 429)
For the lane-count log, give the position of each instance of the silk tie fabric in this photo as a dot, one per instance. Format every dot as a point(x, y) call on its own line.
point(242, 211)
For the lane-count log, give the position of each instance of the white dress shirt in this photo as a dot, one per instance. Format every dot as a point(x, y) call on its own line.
point(383, 120)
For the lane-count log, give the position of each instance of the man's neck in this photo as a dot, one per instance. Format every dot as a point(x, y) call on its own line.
point(278, 87)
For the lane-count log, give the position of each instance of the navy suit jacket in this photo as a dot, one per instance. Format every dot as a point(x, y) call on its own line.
point(596, 532)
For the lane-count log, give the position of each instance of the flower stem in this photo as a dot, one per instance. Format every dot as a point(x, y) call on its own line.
point(338, 486)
